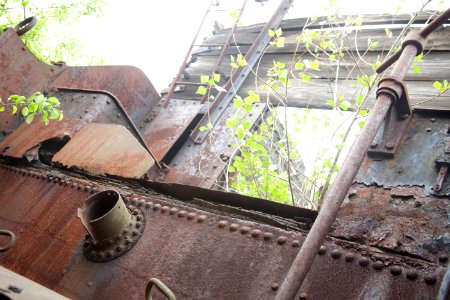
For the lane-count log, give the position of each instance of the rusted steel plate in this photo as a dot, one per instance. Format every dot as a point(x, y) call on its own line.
point(414, 163)
point(105, 149)
point(201, 165)
point(129, 84)
point(197, 254)
point(164, 126)
point(400, 219)
point(27, 136)
point(22, 73)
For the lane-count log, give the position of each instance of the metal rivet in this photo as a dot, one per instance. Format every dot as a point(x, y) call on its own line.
point(182, 214)
point(274, 286)
point(157, 206)
point(295, 243)
point(173, 210)
point(119, 248)
point(433, 120)
point(234, 227)
point(267, 236)
point(396, 270)
point(443, 258)
point(95, 190)
point(101, 254)
point(364, 261)
point(245, 230)
point(134, 233)
point(322, 250)
point(428, 129)
point(191, 216)
point(125, 231)
point(378, 265)
point(148, 204)
point(165, 209)
point(127, 241)
point(335, 254)
point(110, 253)
point(141, 203)
point(87, 188)
point(222, 224)
point(349, 257)
point(303, 296)
point(390, 145)
point(256, 233)
point(201, 219)
point(139, 218)
point(430, 279)
point(412, 274)
point(281, 240)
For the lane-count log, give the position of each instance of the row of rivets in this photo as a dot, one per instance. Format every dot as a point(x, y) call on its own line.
point(429, 279)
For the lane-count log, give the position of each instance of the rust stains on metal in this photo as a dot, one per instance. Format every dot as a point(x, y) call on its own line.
point(128, 84)
point(164, 126)
point(207, 250)
point(27, 136)
point(105, 149)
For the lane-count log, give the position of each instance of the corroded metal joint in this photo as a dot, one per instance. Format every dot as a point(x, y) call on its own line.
point(396, 89)
point(416, 39)
point(112, 228)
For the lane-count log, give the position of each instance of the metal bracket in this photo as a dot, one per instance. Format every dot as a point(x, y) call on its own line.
point(396, 122)
point(443, 164)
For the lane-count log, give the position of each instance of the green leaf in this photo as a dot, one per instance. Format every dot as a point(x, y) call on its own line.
point(201, 90)
point(331, 103)
point(202, 128)
point(246, 124)
point(416, 69)
point(271, 33)
point(278, 32)
point(14, 109)
point(61, 116)
point(238, 103)
point(306, 78)
point(216, 77)
point(231, 169)
point(314, 65)
point(54, 114)
point(437, 85)
point(299, 66)
point(344, 105)
point(231, 123)
point(30, 118)
point(2, 108)
point(204, 79)
point(332, 57)
point(54, 101)
point(234, 14)
point(25, 111)
point(280, 42)
point(359, 99)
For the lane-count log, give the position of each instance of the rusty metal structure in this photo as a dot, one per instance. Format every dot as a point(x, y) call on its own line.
point(118, 200)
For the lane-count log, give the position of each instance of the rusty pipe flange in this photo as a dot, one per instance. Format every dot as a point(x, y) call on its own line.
point(416, 39)
point(397, 90)
point(112, 229)
point(26, 25)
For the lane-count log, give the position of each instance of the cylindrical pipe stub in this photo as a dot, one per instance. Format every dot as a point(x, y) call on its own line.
point(105, 215)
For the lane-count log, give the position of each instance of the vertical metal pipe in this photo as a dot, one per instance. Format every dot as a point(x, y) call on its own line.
point(336, 195)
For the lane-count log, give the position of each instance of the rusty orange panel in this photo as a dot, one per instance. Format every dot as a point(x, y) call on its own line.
point(27, 136)
point(105, 149)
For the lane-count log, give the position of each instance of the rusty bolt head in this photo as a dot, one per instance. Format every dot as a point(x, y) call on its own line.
point(245, 230)
point(141, 203)
point(165, 209)
point(433, 120)
point(378, 265)
point(404, 116)
point(191, 216)
point(428, 129)
point(157, 206)
point(295, 244)
point(349, 257)
point(412, 274)
point(148, 204)
point(222, 224)
point(234, 227)
point(201, 219)
point(390, 145)
point(182, 214)
point(336, 254)
point(303, 296)
point(396, 270)
point(281, 240)
point(267, 236)
point(363, 261)
point(430, 279)
point(322, 250)
point(274, 286)
point(374, 144)
point(173, 210)
point(256, 233)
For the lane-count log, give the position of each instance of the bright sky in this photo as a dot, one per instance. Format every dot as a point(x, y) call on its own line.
point(155, 35)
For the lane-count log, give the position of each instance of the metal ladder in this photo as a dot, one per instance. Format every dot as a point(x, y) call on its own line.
point(177, 80)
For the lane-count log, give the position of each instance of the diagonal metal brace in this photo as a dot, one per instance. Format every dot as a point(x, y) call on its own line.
point(396, 122)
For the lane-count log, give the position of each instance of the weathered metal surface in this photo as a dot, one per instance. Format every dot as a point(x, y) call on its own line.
point(105, 149)
point(400, 220)
point(414, 164)
point(13, 286)
point(22, 73)
point(128, 84)
point(186, 247)
point(202, 164)
point(30, 136)
point(163, 127)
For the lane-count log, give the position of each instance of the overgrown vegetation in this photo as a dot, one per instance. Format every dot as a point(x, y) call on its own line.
point(268, 164)
point(49, 45)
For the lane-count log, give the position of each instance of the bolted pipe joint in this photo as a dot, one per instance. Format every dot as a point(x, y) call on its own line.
point(112, 228)
point(105, 215)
